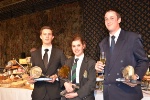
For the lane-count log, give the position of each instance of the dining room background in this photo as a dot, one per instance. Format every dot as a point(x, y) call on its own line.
point(20, 24)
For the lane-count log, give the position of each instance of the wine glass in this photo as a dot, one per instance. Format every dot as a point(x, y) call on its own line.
point(100, 75)
point(103, 60)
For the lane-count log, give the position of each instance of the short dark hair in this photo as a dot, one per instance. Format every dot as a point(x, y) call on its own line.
point(45, 27)
point(117, 13)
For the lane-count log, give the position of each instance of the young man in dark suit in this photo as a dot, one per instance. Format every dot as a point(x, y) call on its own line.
point(122, 48)
point(85, 73)
point(47, 90)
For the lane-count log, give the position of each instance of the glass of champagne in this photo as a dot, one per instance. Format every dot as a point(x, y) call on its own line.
point(103, 60)
point(100, 75)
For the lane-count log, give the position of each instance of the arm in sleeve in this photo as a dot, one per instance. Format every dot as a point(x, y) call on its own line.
point(140, 57)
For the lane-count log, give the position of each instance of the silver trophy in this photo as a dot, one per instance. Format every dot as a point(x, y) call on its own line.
point(36, 72)
point(128, 73)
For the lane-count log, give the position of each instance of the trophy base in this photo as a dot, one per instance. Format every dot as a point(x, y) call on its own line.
point(130, 81)
point(135, 81)
point(64, 92)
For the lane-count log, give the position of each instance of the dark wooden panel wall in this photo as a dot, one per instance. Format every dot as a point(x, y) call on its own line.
point(20, 34)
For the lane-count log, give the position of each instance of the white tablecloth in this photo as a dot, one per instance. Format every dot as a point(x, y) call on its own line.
point(25, 94)
point(99, 95)
point(15, 94)
point(146, 95)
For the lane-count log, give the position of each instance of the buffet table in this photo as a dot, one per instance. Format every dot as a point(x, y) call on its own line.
point(146, 95)
point(15, 94)
point(99, 95)
point(25, 94)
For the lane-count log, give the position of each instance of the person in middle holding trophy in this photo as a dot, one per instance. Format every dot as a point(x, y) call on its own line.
point(82, 73)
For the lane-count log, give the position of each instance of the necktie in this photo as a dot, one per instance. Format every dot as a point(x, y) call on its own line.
point(112, 43)
point(74, 71)
point(45, 58)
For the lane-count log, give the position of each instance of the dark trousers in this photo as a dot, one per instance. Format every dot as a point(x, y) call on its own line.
point(48, 98)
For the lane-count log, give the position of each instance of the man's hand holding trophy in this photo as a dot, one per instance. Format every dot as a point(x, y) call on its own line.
point(129, 76)
point(63, 74)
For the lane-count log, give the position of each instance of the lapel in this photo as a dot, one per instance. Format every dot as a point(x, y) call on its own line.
point(83, 67)
point(70, 64)
point(39, 55)
point(117, 48)
point(105, 47)
point(53, 53)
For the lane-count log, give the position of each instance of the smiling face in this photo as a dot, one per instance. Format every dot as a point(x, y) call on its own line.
point(78, 47)
point(112, 21)
point(46, 36)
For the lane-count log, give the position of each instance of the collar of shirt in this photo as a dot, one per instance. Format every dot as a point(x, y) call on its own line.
point(116, 35)
point(49, 52)
point(80, 58)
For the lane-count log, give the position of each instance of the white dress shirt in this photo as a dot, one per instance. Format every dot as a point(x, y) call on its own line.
point(49, 51)
point(116, 36)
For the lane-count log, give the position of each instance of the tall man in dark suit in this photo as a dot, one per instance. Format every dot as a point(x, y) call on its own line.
point(126, 49)
point(85, 76)
point(47, 90)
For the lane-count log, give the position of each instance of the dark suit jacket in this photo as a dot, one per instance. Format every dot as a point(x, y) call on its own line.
point(87, 84)
point(57, 60)
point(127, 51)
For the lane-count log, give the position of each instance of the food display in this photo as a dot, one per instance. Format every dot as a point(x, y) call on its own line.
point(146, 81)
point(147, 76)
point(16, 81)
point(3, 77)
point(15, 76)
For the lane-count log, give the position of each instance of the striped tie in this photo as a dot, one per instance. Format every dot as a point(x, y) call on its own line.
point(74, 71)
